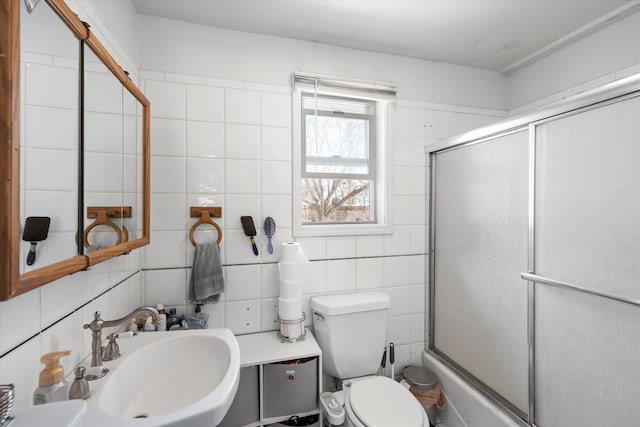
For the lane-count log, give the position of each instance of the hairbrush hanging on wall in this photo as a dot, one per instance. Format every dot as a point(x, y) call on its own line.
point(249, 230)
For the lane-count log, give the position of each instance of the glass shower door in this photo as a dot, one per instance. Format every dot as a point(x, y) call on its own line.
point(480, 240)
point(587, 235)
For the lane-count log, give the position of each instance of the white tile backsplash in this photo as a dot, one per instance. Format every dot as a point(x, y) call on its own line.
point(341, 275)
point(60, 298)
point(418, 298)
point(167, 249)
point(205, 103)
point(269, 315)
point(341, 247)
point(397, 271)
point(52, 86)
point(398, 243)
point(368, 246)
point(315, 248)
point(369, 273)
point(216, 312)
point(447, 124)
point(402, 180)
point(21, 367)
point(205, 175)
point(103, 93)
point(400, 297)
point(399, 330)
point(277, 207)
point(314, 279)
point(276, 110)
point(269, 280)
point(276, 177)
point(242, 282)
point(244, 317)
point(168, 174)
point(205, 139)
point(402, 121)
point(62, 166)
point(242, 106)
point(402, 155)
point(168, 212)
point(167, 99)
point(417, 327)
point(242, 142)
point(423, 123)
point(242, 176)
point(13, 332)
point(57, 128)
point(402, 210)
point(169, 137)
point(276, 143)
point(242, 205)
point(167, 286)
point(238, 248)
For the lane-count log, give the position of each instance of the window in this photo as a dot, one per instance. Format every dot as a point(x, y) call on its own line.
point(342, 158)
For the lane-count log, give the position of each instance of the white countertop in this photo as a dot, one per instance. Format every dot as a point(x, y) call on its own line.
point(267, 347)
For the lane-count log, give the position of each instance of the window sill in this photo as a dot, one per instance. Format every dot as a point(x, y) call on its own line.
point(321, 230)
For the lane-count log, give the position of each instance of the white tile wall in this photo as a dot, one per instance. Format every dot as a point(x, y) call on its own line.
point(242, 106)
point(205, 103)
point(205, 139)
point(218, 142)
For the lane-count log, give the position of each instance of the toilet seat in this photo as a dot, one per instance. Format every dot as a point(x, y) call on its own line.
point(382, 402)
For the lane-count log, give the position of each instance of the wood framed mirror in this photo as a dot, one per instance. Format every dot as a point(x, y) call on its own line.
point(28, 145)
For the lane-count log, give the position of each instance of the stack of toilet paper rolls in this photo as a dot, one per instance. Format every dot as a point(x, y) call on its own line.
point(291, 268)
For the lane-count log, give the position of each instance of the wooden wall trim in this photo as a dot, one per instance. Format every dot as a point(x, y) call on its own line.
point(10, 144)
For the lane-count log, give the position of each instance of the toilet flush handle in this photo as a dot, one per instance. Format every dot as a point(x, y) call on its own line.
point(319, 316)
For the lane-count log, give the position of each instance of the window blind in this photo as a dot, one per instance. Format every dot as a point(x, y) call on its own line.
point(322, 83)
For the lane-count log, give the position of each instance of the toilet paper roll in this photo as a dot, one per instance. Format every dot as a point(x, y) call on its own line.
point(290, 309)
point(292, 330)
point(290, 289)
point(292, 252)
point(290, 271)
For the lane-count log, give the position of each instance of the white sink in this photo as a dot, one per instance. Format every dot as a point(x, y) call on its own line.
point(177, 378)
point(69, 413)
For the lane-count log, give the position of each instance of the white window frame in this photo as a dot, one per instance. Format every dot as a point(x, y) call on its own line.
point(383, 93)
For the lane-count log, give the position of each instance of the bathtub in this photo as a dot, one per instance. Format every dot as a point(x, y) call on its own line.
point(465, 407)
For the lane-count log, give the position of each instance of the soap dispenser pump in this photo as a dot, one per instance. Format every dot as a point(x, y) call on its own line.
point(53, 387)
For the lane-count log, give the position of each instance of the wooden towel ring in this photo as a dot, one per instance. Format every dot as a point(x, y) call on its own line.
point(205, 219)
point(103, 219)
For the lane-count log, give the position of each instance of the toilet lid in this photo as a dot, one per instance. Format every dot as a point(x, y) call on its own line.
point(381, 402)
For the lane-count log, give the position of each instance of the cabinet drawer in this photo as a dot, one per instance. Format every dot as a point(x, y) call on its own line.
point(245, 408)
point(290, 387)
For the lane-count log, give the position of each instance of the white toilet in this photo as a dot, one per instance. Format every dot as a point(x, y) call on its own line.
point(351, 331)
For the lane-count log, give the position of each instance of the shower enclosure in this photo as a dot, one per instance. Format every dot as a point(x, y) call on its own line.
point(535, 260)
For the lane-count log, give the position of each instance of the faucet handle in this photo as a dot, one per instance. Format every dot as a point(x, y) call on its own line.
point(112, 351)
point(96, 323)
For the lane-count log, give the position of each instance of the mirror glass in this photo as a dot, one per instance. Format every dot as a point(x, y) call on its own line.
point(49, 136)
point(132, 163)
point(103, 155)
point(112, 158)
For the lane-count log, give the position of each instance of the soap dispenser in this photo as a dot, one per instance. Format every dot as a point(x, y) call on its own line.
point(53, 387)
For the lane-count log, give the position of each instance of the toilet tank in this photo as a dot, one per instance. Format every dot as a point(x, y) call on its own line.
point(351, 331)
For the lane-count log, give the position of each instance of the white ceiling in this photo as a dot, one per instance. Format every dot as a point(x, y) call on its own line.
point(499, 35)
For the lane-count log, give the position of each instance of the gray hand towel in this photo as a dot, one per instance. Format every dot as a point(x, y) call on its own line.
point(207, 280)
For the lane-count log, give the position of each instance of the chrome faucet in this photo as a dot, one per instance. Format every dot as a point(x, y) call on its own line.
point(96, 326)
